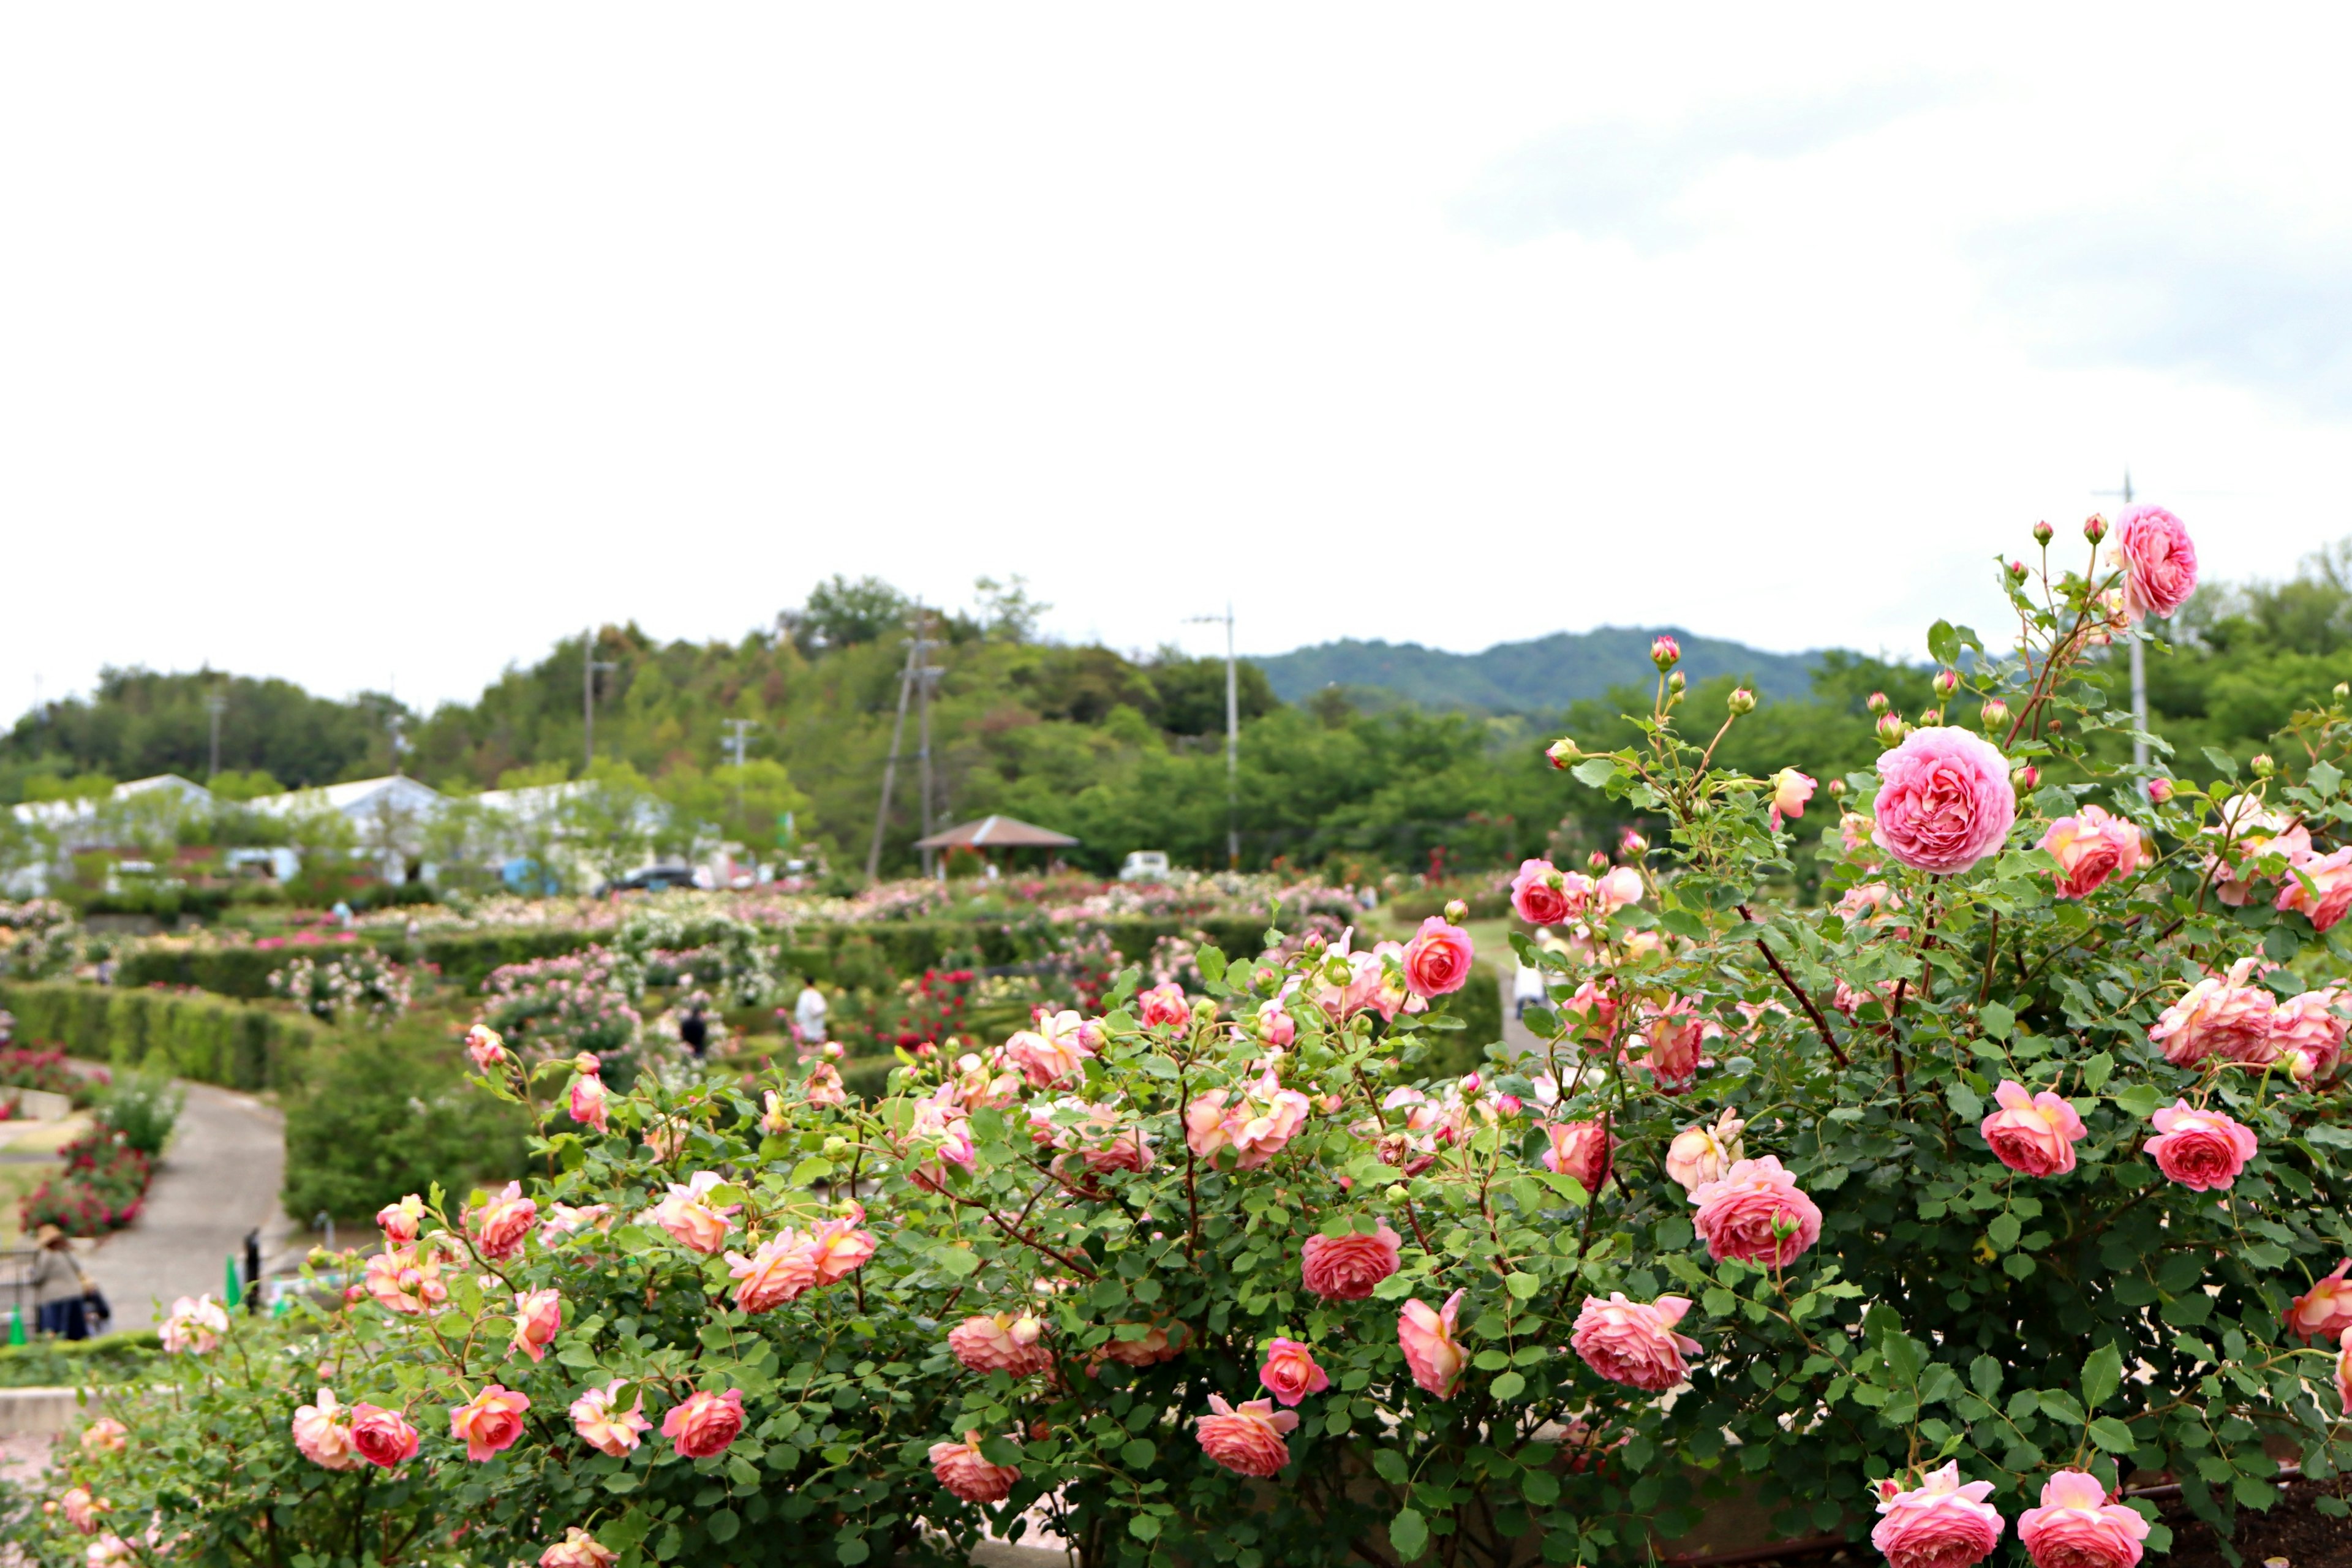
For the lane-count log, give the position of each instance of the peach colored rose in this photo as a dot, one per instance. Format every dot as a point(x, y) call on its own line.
point(587, 1103)
point(1255, 1122)
point(1435, 1357)
point(2324, 1312)
point(2158, 560)
point(1618, 890)
point(603, 1425)
point(486, 1047)
point(2090, 847)
point(83, 1510)
point(1590, 1014)
point(502, 1225)
point(1437, 962)
point(2077, 1527)
point(2220, 1015)
point(687, 1215)
point(2031, 1133)
point(964, 1470)
point(2201, 1150)
point(1275, 1026)
point(1700, 1154)
point(1289, 1372)
point(194, 1326)
point(1544, 895)
point(1632, 1343)
point(1346, 1266)
point(1756, 1214)
point(824, 1086)
point(400, 1222)
point(108, 1550)
point(1940, 1524)
point(562, 1219)
point(1867, 900)
point(382, 1436)
point(105, 1435)
point(779, 1270)
point(405, 1280)
point(704, 1424)
point(2320, 887)
point(1248, 1440)
point(839, 1247)
point(1579, 1149)
point(1001, 1344)
point(538, 1315)
point(578, 1549)
point(1161, 1342)
point(1054, 1055)
point(2344, 1373)
point(1791, 791)
point(2307, 1033)
point(1944, 801)
point(1163, 1007)
point(1673, 1037)
point(322, 1433)
point(489, 1423)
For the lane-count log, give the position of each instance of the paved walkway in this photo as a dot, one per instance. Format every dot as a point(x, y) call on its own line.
point(218, 1180)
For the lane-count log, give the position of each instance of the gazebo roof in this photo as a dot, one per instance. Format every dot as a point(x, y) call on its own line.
point(996, 833)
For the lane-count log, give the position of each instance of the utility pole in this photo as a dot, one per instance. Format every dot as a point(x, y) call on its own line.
point(738, 738)
point(2139, 659)
point(926, 675)
point(589, 665)
point(1232, 739)
point(216, 703)
point(890, 768)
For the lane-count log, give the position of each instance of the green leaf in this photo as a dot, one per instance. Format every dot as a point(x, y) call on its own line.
point(723, 1524)
point(1998, 1020)
point(1540, 1488)
point(626, 1530)
point(2138, 1100)
point(1408, 1533)
point(1144, 1526)
point(957, 1262)
point(1522, 1286)
point(2113, 1435)
point(1595, 771)
point(2325, 778)
point(2004, 1231)
point(1943, 642)
point(2103, 1373)
point(853, 1550)
point(1510, 1385)
point(1212, 962)
point(2223, 763)
point(815, 1168)
point(1390, 1463)
point(1138, 1454)
point(2097, 1070)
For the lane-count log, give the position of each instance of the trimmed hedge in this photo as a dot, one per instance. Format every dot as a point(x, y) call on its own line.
point(225, 971)
point(208, 1038)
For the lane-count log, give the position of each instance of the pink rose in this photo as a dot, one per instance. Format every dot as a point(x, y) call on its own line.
point(2220, 1015)
point(1345, 1268)
point(1054, 1053)
point(2201, 1150)
point(596, 1416)
point(562, 1219)
point(687, 1216)
point(401, 1221)
point(406, 1279)
point(1791, 791)
point(1290, 1372)
point(489, 1423)
point(1544, 895)
point(1426, 1336)
point(1619, 889)
point(839, 1249)
point(1674, 1035)
point(587, 1102)
point(1702, 1154)
point(779, 1270)
point(1001, 1344)
point(483, 1044)
point(1156, 1345)
point(2320, 888)
point(2090, 847)
point(1590, 1014)
point(501, 1226)
point(1944, 801)
point(1275, 1024)
point(83, 1510)
point(538, 1315)
point(2077, 1527)
point(2324, 1312)
point(2159, 563)
point(380, 1437)
point(105, 1435)
point(1943, 1524)
point(194, 1326)
point(2307, 1033)
point(704, 1424)
point(1248, 1441)
point(824, 1086)
point(1437, 960)
point(964, 1470)
point(1633, 1344)
point(1756, 1215)
point(2031, 1133)
point(1256, 1122)
point(2344, 1373)
point(578, 1549)
point(1579, 1149)
point(1163, 1007)
point(322, 1433)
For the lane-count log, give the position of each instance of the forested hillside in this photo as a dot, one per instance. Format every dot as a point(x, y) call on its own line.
point(1539, 676)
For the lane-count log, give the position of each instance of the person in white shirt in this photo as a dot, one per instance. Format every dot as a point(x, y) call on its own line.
point(808, 1016)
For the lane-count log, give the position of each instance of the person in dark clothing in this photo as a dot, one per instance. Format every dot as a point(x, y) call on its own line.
point(59, 1288)
point(695, 1032)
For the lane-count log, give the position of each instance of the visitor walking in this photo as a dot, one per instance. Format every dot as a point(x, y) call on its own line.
point(808, 1016)
point(694, 1031)
point(63, 1295)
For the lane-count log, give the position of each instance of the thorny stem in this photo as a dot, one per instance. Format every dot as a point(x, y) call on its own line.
point(1821, 1025)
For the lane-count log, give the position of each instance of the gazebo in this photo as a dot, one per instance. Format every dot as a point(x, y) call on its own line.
point(991, 833)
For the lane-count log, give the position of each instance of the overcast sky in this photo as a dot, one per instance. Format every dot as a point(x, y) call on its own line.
point(383, 345)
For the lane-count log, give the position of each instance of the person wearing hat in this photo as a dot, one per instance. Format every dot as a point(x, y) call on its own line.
point(61, 1291)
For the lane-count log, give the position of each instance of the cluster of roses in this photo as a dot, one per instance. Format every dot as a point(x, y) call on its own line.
point(1943, 1524)
point(2259, 842)
point(87, 1512)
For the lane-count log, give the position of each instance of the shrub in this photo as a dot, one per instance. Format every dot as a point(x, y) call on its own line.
point(101, 1188)
point(384, 1115)
point(141, 1109)
point(210, 1039)
point(47, 1071)
point(361, 984)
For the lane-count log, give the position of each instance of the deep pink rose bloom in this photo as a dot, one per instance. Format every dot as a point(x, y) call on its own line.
point(587, 1101)
point(2322, 889)
point(1579, 1149)
point(2159, 563)
point(1634, 1342)
point(1345, 1268)
point(704, 1424)
point(1425, 1334)
point(1001, 1344)
point(489, 1423)
point(382, 1436)
point(2324, 1312)
point(2090, 847)
point(2201, 1150)
point(1942, 1525)
point(1676, 1034)
point(1944, 801)
point(2220, 1015)
point(501, 1226)
point(2077, 1527)
point(964, 1470)
point(1544, 895)
point(1163, 1005)
point(1289, 1372)
point(1248, 1440)
point(1437, 960)
point(2031, 1133)
point(1756, 1215)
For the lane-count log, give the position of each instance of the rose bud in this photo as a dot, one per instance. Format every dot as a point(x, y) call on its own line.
point(2263, 765)
point(1836, 788)
point(1946, 682)
point(1676, 683)
point(2025, 776)
point(1470, 1082)
point(2342, 690)
point(1598, 860)
point(2017, 573)
point(1561, 752)
point(2095, 528)
point(1665, 653)
point(1457, 912)
point(2159, 791)
point(1890, 728)
point(1879, 702)
point(1741, 700)
point(1508, 1105)
point(1631, 845)
point(1931, 718)
point(2044, 533)
point(1996, 714)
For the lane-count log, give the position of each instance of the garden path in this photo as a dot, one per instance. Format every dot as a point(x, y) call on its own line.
point(218, 1180)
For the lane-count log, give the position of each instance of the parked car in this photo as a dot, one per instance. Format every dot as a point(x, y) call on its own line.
point(652, 879)
point(1145, 866)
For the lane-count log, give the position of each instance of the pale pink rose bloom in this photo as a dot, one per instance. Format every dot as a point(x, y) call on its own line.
point(1001, 1344)
point(1632, 1343)
point(587, 1103)
point(1544, 895)
point(1944, 801)
point(1756, 1214)
point(2090, 847)
point(489, 1423)
point(2324, 1312)
point(839, 1247)
point(2344, 1373)
point(2220, 1015)
point(941, 1134)
point(1700, 1154)
point(2031, 1133)
point(383, 1437)
point(405, 1280)
point(964, 1470)
point(83, 1511)
point(1289, 1372)
point(1054, 1053)
point(1158, 1344)
point(2159, 563)
point(1590, 1014)
point(2077, 1527)
point(502, 1225)
point(663, 1142)
point(1426, 1336)
point(1163, 1007)
point(105, 1435)
point(1619, 889)
point(775, 1116)
point(779, 1270)
point(578, 1549)
point(603, 1425)
point(538, 1315)
point(194, 1326)
point(688, 1216)
point(1579, 1149)
point(1867, 900)
point(2320, 888)
point(1275, 1024)
point(1856, 832)
point(486, 1047)
point(1942, 1525)
point(704, 1424)
point(2201, 1150)
point(1673, 1037)
point(108, 1550)
point(2307, 1034)
point(1248, 1440)
point(400, 1222)
point(824, 1086)
point(1438, 960)
point(1256, 1122)
point(562, 1219)
point(1345, 1268)
point(1791, 791)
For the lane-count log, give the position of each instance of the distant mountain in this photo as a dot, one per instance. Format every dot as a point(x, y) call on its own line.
point(1541, 676)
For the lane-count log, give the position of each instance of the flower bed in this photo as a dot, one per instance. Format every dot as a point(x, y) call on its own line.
point(102, 1189)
